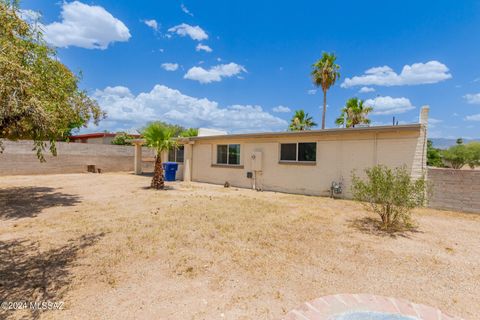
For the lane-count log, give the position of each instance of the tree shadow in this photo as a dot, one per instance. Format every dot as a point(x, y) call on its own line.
point(28, 202)
point(28, 274)
point(374, 227)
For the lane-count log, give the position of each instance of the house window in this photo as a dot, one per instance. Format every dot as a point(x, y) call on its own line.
point(176, 154)
point(301, 152)
point(228, 154)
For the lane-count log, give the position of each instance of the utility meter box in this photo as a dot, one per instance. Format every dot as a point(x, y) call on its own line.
point(257, 161)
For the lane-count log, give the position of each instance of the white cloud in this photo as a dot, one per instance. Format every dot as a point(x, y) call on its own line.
point(126, 110)
point(366, 90)
point(312, 91)
point(194, 32)
point(281, 109)
point(417, 73)
point(473, 117)
point(152, 24)
point(185, 9)
point(203, 47)
point(215, 73)
point(170, 66)
point(434, 121)
point(472, 98)
point(389, 105)
point(90, 27)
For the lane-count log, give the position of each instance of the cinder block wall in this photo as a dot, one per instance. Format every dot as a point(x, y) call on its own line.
point(18, 158)
point(455, 189)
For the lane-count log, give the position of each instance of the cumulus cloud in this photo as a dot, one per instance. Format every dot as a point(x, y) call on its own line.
point(281, 109)
point(126, 110)
point(170, 66)
point(152, 24)
point(203, 47)
point(366, 90)
point(185, 9)
point(473, 117)
point(194, 32)
point(472, 98)
point(389, 105)
point(417, 73)
point(90, 27)
point(215, 73)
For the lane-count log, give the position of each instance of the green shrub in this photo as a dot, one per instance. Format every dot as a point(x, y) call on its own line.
point(121, 139)
point(390, 193)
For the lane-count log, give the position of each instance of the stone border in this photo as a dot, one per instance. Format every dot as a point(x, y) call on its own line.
point(326, 307)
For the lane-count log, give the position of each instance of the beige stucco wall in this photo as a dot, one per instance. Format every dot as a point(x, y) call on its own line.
point(337, 156)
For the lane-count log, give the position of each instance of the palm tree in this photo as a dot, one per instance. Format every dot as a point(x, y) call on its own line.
point(324, 74)
point(354, 112)
point(301, 121)
point(159, 137)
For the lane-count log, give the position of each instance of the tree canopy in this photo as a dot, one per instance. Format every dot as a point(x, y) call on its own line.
point(434, 155)
point(353, 113)
point(461, 154)
point(301, 121)
point(39, 96)
point(324, 75)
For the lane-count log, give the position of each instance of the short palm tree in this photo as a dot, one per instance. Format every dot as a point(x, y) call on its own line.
point(354, 112)
point(160, 138)
point(301, 121)
point(325, 73)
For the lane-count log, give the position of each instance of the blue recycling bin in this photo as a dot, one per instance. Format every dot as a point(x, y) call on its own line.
point(170, 169)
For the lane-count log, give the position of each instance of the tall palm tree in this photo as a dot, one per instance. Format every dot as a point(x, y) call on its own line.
point(354, 112)
point(160, 138)
point(301, 121)
point(325, 73)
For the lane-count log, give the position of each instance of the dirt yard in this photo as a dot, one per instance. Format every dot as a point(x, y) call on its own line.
point(110, 248)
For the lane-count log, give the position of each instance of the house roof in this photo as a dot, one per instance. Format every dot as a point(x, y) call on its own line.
point(403, 127)
point(98, 135)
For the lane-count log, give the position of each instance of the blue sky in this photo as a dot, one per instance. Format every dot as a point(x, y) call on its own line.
point(244, 66)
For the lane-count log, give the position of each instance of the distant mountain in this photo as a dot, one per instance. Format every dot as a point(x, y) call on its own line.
point(443, 143)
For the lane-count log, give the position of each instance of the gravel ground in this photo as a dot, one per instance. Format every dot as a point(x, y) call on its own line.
point(110, 248)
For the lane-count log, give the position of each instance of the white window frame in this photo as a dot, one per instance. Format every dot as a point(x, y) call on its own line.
point(228, 151)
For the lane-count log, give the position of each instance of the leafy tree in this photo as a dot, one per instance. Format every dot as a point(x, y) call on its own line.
point(301, 121)
point(354, 112)
point(121, 139)
point(325, 73)
point(474, 150)
point(190, 132)
point(390, 193)
point(459, 141)
point(434, 155)
point(159, 137)
point(39, 96)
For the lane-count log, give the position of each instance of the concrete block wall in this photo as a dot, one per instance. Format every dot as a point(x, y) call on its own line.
point(18, 158)
point(455, 189)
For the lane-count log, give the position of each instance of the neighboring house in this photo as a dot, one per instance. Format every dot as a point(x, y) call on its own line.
point(98, 138)
point(305, 162)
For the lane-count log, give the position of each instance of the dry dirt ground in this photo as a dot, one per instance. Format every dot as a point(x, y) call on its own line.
point(110, 248)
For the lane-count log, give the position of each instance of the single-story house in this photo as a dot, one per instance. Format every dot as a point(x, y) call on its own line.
point(97, 137)
point(305, 162)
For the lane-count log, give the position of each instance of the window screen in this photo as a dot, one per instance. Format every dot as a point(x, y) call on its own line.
point(233, 154)
point(171, 155)
point(179, 154)
point(222, 154)
point(288, 152)
point(307, 151)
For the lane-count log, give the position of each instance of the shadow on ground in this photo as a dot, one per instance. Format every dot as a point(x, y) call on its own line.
point(28, 202)
point(373, 227)
point(28, 274)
